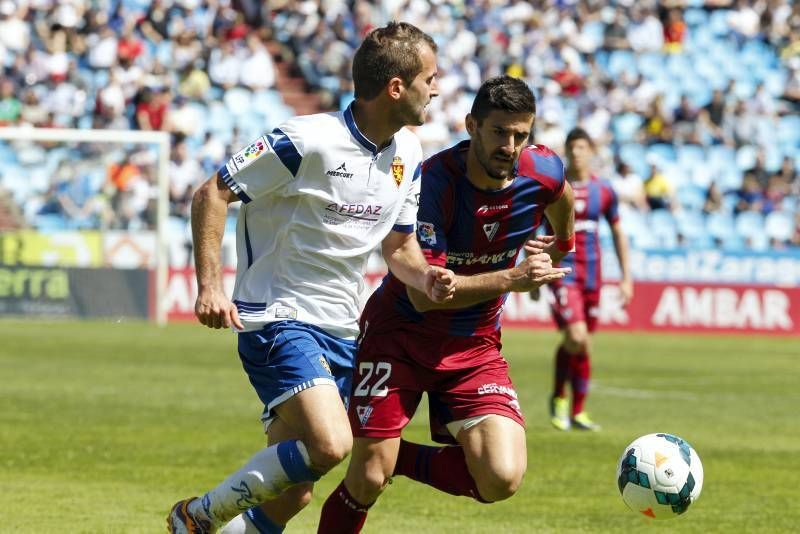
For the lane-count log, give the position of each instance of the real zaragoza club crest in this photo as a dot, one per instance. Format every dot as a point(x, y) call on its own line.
point(397, 170)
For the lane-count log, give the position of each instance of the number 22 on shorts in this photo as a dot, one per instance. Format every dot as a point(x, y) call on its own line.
point(377, 371)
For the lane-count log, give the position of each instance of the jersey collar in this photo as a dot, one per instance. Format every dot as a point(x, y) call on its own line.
point(355, 132)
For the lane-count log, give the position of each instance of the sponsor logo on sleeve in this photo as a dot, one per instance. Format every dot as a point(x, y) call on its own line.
point(397, 170)
point(427, 233)
point(245, 157)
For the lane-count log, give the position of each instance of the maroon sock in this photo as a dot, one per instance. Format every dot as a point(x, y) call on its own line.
point(443, 468)
point(581, 370)
point(341, 513)
point(562, 372)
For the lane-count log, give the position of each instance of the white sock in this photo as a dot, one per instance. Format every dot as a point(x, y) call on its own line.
point(239, 525)
point(264, 477)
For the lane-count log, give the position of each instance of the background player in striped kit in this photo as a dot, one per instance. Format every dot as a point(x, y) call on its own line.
point(480, 201)
point(577, 296)
point(319, 193)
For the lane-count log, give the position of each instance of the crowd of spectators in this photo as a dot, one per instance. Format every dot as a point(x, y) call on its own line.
point(695, 104)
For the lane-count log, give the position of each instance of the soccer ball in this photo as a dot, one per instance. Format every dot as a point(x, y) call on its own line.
point(659, 475)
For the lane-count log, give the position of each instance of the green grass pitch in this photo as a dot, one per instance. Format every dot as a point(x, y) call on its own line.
point(104, 425)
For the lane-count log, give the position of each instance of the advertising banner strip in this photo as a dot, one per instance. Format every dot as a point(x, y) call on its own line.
point(657, 306)
point(73, 292)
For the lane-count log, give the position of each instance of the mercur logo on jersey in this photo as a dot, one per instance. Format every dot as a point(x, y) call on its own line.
point(340, 172)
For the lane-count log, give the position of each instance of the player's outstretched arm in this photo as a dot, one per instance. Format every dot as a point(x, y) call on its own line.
point(209, 210)
point(535, 271)
point(406, 261)
point(561, 215)
point(621, 248)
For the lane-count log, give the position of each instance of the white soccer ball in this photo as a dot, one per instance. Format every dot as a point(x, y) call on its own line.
point(659, 476)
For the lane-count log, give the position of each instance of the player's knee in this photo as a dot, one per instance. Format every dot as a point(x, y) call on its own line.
point(327, 453)
point(501, 484)
point(576, 342)
point(367, 487)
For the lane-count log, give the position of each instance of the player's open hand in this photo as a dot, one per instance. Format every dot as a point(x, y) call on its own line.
point(535, 271)
point(440, 284)
point(215, 310)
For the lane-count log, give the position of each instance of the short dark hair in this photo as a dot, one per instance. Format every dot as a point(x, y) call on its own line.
point(576, 134)
point(503, 93)
point(388, 52)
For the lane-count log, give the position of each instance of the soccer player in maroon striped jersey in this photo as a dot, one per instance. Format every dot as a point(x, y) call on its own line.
point(480, 201)
point(577, 296)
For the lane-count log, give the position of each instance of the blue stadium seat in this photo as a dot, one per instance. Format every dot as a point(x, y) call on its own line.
point(703, 175)
point(691, 197)
point(690, 155)
point(775, 82)
point(663, 151)
point(749, 223)
point(718, 22)
point(620, 61)
point(690, 223)
point(730, 177)
point(676, 174)
point(625, 126)
point(238, 100)
point(650, 64)
point(746, 157)
point(695, 18)
point(779, 226)
point(789, 130)
point(733, 243)
point(51, 222)
point(720, 155)
point(662, 225)
point(720, 225)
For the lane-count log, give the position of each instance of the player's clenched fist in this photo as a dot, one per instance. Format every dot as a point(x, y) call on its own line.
point(547, 244)
point(440, 284)
point(535, 271)
point(215, 310)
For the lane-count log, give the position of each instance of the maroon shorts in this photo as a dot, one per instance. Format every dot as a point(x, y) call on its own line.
point(573, 304)
point(463, 376)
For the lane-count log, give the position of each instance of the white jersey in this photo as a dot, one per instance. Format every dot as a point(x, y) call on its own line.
point(317, 197)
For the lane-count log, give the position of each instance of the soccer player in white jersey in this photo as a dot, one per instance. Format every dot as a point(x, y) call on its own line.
point(319, 193)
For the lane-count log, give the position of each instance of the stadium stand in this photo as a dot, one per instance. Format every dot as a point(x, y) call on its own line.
point(705, 95)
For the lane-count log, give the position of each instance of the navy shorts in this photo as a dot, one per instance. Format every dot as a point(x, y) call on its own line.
point(286, 357)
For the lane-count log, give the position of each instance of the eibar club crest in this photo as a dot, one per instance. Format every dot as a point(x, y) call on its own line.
point(490, 230)
point(397, 170)
point(363, 413)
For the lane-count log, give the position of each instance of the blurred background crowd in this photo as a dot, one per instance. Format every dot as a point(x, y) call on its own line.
point(695, 105)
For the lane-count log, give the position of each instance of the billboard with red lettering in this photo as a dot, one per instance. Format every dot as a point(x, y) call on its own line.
point(658, 306)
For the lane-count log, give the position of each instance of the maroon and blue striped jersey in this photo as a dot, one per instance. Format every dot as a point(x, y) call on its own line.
point(593, 199)
point(471, 231)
